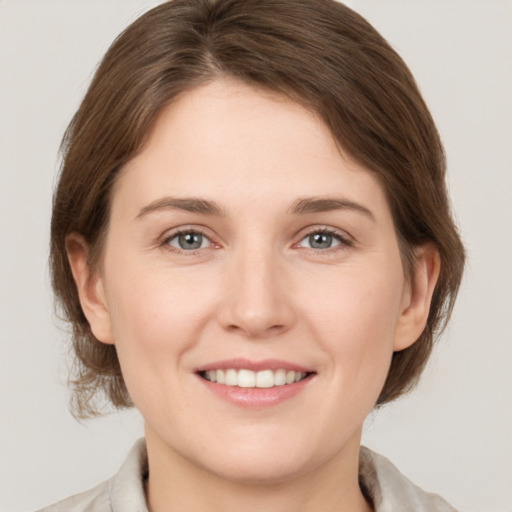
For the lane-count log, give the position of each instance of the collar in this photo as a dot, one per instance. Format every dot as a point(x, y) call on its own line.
point(380, 481)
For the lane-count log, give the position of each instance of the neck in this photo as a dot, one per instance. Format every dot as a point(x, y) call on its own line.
point(178, 484)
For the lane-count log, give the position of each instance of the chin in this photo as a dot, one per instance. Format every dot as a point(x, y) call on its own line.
point(262, 471)
point(261, 461)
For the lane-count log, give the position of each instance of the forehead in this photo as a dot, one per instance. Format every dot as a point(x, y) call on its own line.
point(232, 141)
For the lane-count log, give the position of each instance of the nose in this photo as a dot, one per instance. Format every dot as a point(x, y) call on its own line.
point(257, 302)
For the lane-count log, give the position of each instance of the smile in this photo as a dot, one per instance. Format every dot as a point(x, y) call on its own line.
point(245, 378)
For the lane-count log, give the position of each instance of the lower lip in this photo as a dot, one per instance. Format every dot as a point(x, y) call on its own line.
point(256, 397)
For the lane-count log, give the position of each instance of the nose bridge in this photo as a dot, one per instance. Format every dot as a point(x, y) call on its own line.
point(257, 303)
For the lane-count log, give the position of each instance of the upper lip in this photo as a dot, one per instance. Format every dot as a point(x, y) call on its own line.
point(256, 366)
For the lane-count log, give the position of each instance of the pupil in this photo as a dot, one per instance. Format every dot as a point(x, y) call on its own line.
point(320, 240)
point(190, 240)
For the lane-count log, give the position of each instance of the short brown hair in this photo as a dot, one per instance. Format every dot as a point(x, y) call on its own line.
point(317, 52)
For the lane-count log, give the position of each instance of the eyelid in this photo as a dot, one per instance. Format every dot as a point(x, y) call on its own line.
point(163, 240)
point(345, 239)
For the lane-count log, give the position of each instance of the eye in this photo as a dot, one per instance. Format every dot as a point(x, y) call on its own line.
point(188, 241)
point(321, 240)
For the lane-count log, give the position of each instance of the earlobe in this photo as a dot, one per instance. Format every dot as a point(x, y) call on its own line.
point(418, 296)
point(90, 287)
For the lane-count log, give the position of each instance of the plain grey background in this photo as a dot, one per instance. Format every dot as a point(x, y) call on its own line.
point(452, 435)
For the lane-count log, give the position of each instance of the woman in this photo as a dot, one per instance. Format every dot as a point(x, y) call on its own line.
point(252, 239)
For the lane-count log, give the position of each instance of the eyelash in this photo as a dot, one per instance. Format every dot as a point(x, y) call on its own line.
point(176, 250)
point(344, 241)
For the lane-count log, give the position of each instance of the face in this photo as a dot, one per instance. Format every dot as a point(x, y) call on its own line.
point(252, 284)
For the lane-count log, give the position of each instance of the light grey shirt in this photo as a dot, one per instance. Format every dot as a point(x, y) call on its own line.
point(387, 488)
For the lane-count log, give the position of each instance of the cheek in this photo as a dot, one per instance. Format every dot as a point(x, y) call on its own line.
point(153, 313)
point(355, 321)
point(364, 303)
point(157, 317)
point(154, 323)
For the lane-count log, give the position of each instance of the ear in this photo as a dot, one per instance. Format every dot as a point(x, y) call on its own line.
point(89, 284)
point(417, 297)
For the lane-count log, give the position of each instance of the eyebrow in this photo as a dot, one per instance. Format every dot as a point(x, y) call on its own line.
point(320, 205)
point(193, 205)
point(301, 206)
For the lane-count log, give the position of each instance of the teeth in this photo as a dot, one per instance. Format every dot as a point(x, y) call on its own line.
point(265, 379)
point(280, 378)
point(231, 378)
point(246, 379)
point(249, 379)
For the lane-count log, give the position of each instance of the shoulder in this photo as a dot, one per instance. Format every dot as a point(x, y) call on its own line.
point(96, 499)
point(124, 491)
point(390, 490)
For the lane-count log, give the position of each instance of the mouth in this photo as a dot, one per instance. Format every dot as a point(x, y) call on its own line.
point(246, 378)
point(255, 384)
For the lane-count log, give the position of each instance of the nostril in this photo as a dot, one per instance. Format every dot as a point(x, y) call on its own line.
point(257, 330)
point(257, 315)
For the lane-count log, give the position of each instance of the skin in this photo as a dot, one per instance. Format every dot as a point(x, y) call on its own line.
point(256, 288)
